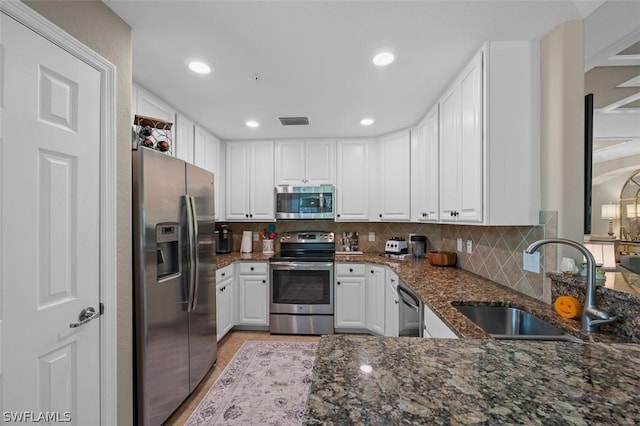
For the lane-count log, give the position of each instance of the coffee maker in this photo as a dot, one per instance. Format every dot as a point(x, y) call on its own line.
point(223, 239)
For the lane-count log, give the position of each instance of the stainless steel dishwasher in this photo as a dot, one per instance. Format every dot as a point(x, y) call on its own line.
point(410, 312)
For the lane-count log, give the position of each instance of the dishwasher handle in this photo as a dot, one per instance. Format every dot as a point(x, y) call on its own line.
point(409, 299)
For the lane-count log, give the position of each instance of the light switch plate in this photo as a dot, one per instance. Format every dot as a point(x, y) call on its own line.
point(372, 236)
point(469, 246)
point(531, 262)
point(256, 236)
point(459, 244)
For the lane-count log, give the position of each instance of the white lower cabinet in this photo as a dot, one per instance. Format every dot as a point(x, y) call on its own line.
point(375, 299)
point(253, 293)
point(391, 305)
point(225, 300)
point(434, 327)
point(350, 296)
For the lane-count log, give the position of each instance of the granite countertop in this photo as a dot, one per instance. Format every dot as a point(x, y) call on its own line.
point(379, 380)
point(473, 380)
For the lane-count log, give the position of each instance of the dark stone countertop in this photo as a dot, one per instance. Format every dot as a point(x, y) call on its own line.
point(443, 381)
point(473, 380)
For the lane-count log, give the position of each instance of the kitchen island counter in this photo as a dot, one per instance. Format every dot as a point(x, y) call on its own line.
point(380, 380)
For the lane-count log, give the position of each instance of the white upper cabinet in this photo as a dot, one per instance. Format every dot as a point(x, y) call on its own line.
point(209, 154)
point(249, 187)
point(184, 138)
point(489, 138)
point(425, 169)
point(394, 194)
point(146, 103)
point(352, 179)
point(461, 147)
point(310, 162)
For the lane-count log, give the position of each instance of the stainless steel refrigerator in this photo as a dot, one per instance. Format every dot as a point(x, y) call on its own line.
point(174, 282)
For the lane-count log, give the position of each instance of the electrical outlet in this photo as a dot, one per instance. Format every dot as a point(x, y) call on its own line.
point(372, 236)
point(531, 262)
point(469, 246)
point(459, 244)
point(411, 234)
point(256, 236)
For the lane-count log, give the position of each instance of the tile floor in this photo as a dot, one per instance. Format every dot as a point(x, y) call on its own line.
point(227, 348)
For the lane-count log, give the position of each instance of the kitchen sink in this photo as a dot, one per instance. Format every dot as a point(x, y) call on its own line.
point(502, 322)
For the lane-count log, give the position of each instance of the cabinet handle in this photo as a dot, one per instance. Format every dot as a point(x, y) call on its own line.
point(250, 215)
point(393, 280)
point(338, 283)
point(264, 281)
point(396, 302)
point(252, 268)
point(380, 215)
point(372, 271)
point(223, 274)
point(350, 269)
point(338, 215)
point(246, 215)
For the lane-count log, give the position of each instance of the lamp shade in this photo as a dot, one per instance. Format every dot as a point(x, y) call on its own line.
point(611, 211)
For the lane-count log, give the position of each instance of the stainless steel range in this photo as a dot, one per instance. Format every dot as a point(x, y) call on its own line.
point(301, 296)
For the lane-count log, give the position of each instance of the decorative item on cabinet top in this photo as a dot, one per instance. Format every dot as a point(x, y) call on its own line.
point(153, 133)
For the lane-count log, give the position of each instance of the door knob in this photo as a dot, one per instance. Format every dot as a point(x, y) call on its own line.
point(86, 315)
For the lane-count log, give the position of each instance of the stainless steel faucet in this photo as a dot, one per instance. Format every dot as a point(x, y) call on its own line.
point(592, 318)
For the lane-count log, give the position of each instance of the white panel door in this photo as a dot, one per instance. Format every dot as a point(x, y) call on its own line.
point(49, 226)
point(320, 161)
point(238, 178)
point(449, 148)
point(253, 300)
point(350, 302)
point(471, 153)
point(352, 187)
point(395, 170)
point(290, 163)
point(262, 192)
point(183, 143)
point(375, 299)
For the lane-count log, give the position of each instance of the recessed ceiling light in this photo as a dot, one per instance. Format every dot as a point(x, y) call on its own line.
point(252, 123)
point(199, 67)
point(383, 58)
point(367, 121)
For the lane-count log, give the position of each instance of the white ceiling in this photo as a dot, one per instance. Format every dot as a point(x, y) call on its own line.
point(313, 58)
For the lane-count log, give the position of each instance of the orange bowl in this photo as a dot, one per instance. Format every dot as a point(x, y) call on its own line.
point(442, 258)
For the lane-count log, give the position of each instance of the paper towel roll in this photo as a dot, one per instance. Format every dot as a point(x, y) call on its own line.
point(247, 244)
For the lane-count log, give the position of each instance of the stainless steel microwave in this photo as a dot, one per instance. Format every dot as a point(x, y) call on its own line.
point(304, 202)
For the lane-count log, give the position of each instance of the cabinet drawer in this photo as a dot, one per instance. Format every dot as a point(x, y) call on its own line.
point(347, 269)
point(224, 273)
point(251, 268)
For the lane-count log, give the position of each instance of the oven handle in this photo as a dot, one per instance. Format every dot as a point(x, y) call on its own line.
point(405, 296)
point(301, 265)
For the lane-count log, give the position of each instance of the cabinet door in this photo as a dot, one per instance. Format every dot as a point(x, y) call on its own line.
point(152, 106)
point(238, 177)
point(375, 299)
point(391, 305)
point(184, 140)
point(471, 152)
point(449, 147)
point(395, 172)
point(224, 308)
point(350, 302)
point(290, 162)
point(252, 300)
point(432, 162)
point(320, 162)
point(352, 187)
point(262, 191)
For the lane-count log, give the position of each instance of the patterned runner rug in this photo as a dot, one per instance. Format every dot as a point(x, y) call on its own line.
point(266, 383)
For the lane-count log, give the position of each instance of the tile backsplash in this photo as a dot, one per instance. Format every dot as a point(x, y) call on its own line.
point(496, 250)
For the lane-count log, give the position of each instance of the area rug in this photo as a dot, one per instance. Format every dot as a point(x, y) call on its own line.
point(266, 383)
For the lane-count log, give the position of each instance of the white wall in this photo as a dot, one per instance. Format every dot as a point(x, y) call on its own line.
point(95, 25)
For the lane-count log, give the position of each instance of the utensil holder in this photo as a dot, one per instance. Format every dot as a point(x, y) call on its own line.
point(268, 246)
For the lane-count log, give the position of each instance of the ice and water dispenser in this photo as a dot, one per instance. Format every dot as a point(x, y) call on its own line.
point(167, 249)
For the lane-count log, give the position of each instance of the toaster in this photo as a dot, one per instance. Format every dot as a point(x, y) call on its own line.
point(396, 245)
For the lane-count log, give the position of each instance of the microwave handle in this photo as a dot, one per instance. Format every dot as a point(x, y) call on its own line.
point(321, 201)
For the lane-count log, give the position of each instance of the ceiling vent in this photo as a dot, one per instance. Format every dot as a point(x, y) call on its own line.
point(294, 121)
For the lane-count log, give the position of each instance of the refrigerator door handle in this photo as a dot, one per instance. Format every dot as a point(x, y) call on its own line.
point(191, 252)
point(196, 260)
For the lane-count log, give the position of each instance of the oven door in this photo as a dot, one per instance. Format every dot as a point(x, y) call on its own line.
point(301, 288)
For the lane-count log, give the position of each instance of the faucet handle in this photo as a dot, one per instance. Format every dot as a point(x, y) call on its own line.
point(597, 314)
point(604, 321)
